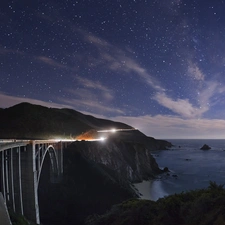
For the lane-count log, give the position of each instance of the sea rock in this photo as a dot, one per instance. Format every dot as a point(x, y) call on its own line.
point(205, 147)
point(166, 169)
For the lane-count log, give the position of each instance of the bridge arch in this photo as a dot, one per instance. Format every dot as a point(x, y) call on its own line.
point(54, 170)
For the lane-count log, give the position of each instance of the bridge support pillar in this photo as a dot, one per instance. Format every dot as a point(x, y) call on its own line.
point(17, 185)
point(30, 184)
point(8, 177)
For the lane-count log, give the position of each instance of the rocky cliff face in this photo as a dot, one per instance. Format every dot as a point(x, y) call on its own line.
point(131, 161)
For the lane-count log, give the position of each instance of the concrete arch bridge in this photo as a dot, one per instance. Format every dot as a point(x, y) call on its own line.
point(21, 164)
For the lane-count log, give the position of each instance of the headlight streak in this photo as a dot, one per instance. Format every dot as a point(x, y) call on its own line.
point(113, 130)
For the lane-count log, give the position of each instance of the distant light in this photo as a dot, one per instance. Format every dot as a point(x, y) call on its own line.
point(102, 138)
point(63, 140)
point(113, 130)
point(58, 140)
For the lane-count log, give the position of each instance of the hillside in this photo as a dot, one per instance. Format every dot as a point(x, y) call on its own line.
point(28, 121)
point(37, 122)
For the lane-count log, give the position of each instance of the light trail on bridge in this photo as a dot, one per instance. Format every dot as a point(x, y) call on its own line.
point(113, 130)
point(2, 141)
point(22, 142)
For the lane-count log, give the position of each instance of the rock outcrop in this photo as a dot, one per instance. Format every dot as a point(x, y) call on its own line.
point(205, 147)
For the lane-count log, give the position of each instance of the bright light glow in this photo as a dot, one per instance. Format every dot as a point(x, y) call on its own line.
point(102, 138)
point(57, 139)
point(113, 130)
point(63, 140)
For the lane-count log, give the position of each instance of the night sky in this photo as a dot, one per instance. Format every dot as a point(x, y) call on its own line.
point(157, 65)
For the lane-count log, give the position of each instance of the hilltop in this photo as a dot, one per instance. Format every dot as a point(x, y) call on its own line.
point(28, 121)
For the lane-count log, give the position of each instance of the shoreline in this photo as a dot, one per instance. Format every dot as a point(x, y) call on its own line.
point(150, 190)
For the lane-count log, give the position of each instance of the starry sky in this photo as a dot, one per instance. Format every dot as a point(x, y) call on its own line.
point(157, 65)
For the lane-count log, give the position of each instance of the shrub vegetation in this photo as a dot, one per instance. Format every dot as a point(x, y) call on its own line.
point(200, 207)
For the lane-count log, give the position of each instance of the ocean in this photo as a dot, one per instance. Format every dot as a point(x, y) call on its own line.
point(190, 168)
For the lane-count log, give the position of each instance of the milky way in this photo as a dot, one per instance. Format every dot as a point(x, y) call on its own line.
point(156, 65)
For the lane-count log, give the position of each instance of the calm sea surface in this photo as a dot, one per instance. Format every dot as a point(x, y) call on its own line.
point(193, 167)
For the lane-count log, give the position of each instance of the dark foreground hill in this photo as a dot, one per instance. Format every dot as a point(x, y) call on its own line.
point(197, 207)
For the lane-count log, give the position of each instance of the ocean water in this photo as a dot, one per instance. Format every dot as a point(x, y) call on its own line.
point(190, 168)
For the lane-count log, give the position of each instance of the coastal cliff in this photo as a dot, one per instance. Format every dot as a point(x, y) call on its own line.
point(96, 176)
point(131, 161)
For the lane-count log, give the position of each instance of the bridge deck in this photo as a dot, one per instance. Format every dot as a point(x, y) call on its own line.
point(12, 145)
point(7, 144)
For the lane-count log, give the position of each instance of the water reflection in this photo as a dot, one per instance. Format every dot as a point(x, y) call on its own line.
point(194, 173)
point(151, 190)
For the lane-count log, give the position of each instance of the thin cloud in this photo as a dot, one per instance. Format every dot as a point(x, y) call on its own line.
point(170, 7)
point(50, 62)
point(90, 84)
point(212, 88)
point(206, 95)
point(95, 87)
point(42, 59)
point(97, 41)
point(92, 97)
point(120, 61)
point(83, 94)
point(195, 72)
point(4, 50)
point(8, 101)
point(183, 107)
point(116, 59)
point(89, 105)
point(173, 127)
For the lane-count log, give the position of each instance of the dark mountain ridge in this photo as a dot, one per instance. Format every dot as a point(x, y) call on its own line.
point(28, 121)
